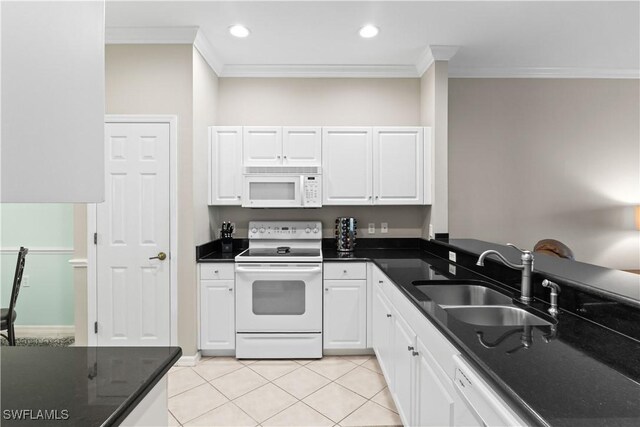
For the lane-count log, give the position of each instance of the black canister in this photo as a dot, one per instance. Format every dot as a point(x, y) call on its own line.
point(346, 234)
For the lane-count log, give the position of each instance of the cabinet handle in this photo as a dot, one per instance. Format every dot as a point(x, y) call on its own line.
point(388, 315)
point(326, 289)
point(369, 197)
point(344, 271)
point(377, 197)
point(410, 348)
point(215, 271)
point(415, 353)
point(278, 156)
point(380, 281)
point(230, 289)
point(285, 157)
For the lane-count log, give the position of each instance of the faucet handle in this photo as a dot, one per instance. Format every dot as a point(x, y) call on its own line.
point(522, 251)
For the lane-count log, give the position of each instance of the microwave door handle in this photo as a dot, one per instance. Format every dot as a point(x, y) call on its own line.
point(301, 192)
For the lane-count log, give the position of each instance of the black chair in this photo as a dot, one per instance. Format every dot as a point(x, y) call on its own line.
point(8, 315)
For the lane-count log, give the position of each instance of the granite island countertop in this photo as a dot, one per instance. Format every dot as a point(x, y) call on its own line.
point(95, 386)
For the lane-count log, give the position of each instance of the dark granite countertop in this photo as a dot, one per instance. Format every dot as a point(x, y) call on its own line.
point(577, 373)
point(97, 386)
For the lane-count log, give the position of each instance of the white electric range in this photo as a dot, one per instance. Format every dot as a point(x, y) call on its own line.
point(279, 291)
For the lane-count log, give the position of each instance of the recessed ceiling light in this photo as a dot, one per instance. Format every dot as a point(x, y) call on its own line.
point(368, 31)
point(239, 31)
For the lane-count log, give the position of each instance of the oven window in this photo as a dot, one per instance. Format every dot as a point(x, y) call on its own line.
point(272, 191)
point(278, 297)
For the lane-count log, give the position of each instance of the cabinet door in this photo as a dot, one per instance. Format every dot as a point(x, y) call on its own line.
point(217, 315)
point(434, 401)
point(262, 146)
point(346, 166)
point(225, 165)
point(345, 314)
point(398, 166)
point(382, 329)
point(404, 346)
point(302, 146)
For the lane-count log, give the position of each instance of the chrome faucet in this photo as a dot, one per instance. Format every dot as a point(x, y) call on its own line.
point(526, 267)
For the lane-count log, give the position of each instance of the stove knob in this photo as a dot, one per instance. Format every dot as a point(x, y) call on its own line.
point(315, 230)
point(262, 230)
point(254, 230)
point(307, 230)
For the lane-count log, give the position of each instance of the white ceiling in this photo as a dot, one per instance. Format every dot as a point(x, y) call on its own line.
point(569, 39)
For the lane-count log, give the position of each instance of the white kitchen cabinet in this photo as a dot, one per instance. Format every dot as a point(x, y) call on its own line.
point(434, 393)
point(347, 167)
point(345, 305)
point(382, 333)
point(225, 165)
point(420, 366)
point(345, 314)
point(217, 315)
point(217, 307)
point(398, 165)
point(402, 352)
point(53, 97)
point(282, 146)
point(262, 146)
point(302, 146)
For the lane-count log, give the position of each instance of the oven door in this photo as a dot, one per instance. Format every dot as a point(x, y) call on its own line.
point(278, 297)
point(272, 191)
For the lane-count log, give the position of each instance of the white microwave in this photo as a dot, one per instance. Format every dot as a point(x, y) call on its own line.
point(282, 187)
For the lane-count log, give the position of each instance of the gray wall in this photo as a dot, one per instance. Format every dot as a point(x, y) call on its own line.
point(323, 102)
point(547, 158)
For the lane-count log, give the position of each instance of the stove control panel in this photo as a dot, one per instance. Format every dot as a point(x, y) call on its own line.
point(291, 230)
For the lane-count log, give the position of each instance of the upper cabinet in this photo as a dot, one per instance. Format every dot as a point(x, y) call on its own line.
point(398, 166)
point(359, 165)
point(302, 146)
point(225, 165)
point(52, 101)
point(347, 173)
point(277, 146)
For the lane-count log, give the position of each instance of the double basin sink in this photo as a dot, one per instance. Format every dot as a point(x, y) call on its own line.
point(476, 303)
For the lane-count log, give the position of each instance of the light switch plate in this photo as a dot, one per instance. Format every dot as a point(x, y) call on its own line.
point(372, 228)
point(25, 282)
point(384, 227)
point(452, 269)
point(431, 235)
point(452, 256)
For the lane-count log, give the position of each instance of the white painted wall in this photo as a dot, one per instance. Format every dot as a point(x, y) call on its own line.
point(322, 102)
point(547, 158)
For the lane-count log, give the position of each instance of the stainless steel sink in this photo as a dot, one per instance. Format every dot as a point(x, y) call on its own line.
point(463, 294)
point(495, 316)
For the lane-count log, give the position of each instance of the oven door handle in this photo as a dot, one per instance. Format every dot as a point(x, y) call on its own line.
point(278, 270)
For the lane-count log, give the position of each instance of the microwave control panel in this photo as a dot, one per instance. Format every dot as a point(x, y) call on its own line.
point(312, 191)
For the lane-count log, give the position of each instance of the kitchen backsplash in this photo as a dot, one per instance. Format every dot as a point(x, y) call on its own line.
point(403, 221)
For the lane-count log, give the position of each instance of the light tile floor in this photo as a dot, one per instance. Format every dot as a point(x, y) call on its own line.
point(334, 390)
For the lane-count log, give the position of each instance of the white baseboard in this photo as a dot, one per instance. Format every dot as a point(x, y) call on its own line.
point(189, 360)
point(347, 352)
point(45, 331)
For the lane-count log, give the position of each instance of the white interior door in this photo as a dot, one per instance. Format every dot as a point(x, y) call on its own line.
point(133, 226)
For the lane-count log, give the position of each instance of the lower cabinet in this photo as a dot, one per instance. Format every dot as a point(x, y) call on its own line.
point(345, 314)
point(217, 315)
point(418, 364)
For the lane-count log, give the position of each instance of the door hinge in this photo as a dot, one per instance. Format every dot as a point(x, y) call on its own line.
point(95, 327)
point(95, 238)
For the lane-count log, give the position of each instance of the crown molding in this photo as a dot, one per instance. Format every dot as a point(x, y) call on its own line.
point(545, 72)
point(150, 35)
point(432, 54)
point(319, 71)
point(206, 49)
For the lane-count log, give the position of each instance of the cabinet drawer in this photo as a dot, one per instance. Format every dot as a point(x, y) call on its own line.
point(217, 270)
point(345, 270)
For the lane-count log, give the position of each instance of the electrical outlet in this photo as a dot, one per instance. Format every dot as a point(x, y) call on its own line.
point(452, 256)
point(25, 282)
point(452, 269)
point(431, 235)
point(384, 227)
point(372, 228)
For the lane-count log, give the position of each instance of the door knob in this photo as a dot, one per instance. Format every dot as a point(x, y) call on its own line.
point(161, 256)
